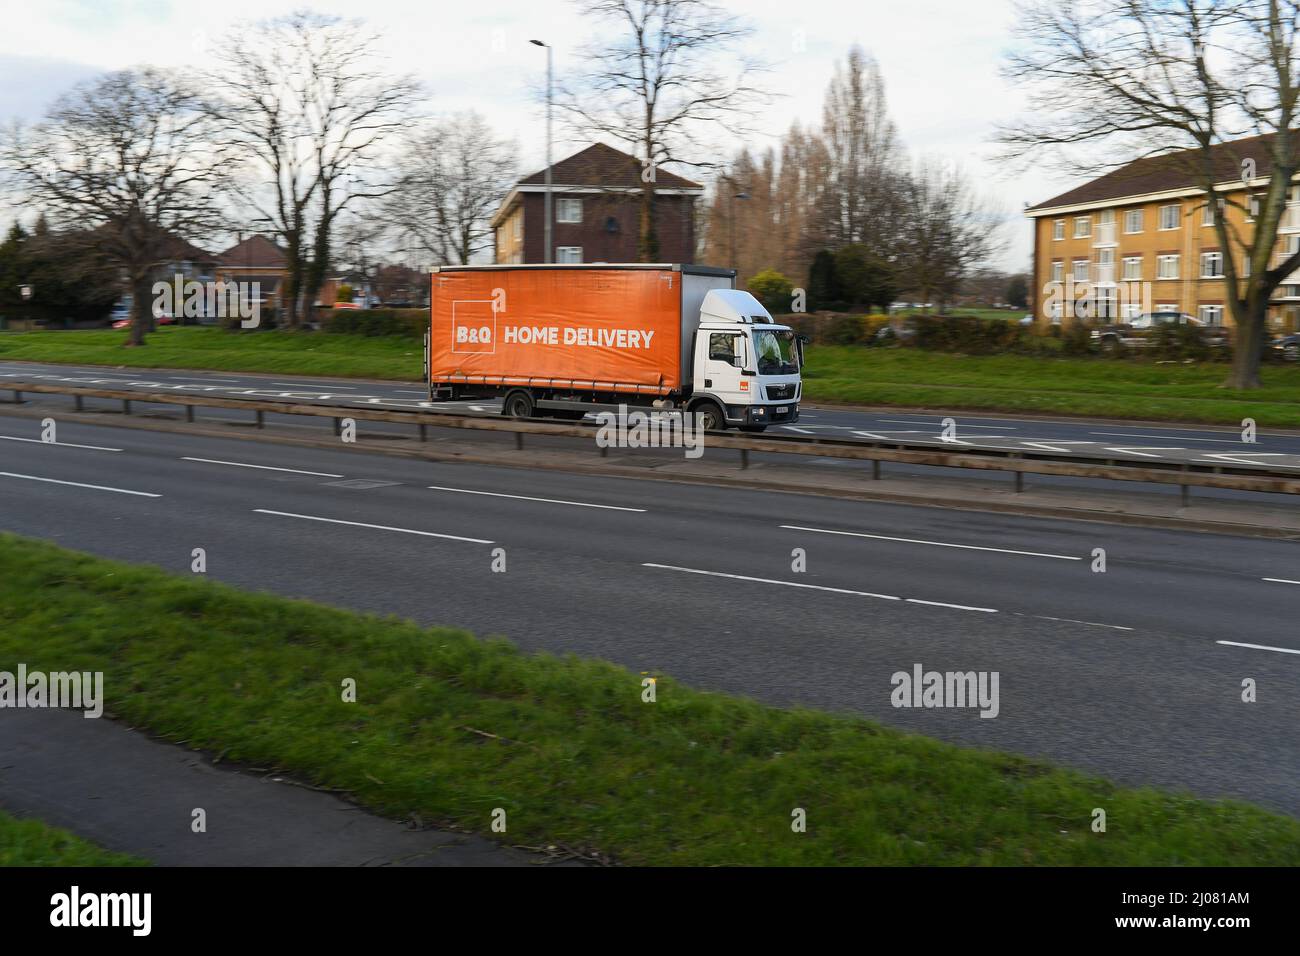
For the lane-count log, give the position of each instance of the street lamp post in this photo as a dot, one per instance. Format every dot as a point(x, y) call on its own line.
point(546, 255)
point(731, 214)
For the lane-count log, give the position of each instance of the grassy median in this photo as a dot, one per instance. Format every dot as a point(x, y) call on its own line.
point(449, 728)
point(32, 843)
point(1137, 389)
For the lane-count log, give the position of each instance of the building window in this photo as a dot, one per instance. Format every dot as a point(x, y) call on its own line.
point(1133, 220)
point(568, 210)
point(519, 227)
point(1211, 265)
point(1252, 208)
point(1210, 314)
point(1132, 267)
point(1081, 270)
point(1082, 227)
point(1245, 267)
point(1130, 310)
point(1167, 307)
point(1170, 216)
point(1058, 270)
point(1058, 229)
point(1207, 212)
point(1167, 267)
point(568, 254)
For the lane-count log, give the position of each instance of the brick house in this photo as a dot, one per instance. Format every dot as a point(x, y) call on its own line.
point(1147, 227)
point(255, 259)
point(596, 206)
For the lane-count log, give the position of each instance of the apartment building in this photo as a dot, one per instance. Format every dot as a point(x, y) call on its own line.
point(595, 198)
point(1143, 237)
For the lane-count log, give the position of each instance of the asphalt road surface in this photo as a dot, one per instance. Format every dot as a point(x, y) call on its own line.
point(1136, 443)
point(1135, 672)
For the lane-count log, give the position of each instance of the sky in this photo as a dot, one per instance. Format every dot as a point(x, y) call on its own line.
point(939, 59)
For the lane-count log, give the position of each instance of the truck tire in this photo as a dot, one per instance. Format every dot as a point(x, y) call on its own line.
point(710, 416)
point(518, 404)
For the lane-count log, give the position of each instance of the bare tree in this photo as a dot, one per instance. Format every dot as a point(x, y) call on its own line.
point(657, 84)
point(307, 97)
point(866, 167)
point(128, 163)
point(949, 230)
point(1133, 78)
point(453, 175)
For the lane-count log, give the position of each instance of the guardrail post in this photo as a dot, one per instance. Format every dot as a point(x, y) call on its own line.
point(80, 405)
point(424, 432)
point(519, 441)
point(189, 413)
point(18, 397)
point(260, 422)
point(338, 427)
point(744, 458)
point(126, 406)
point(1020, 482)
point(875, 469)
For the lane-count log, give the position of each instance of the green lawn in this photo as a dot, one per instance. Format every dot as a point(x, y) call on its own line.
point(450, 728)
point(1140, 389)
point(32, 843)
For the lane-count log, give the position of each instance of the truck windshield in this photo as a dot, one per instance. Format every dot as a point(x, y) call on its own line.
point(776, 352)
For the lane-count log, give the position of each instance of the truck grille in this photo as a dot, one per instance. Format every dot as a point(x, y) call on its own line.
point(780, 393)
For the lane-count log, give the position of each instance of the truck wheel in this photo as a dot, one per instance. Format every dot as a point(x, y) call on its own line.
point(710, 417)
point(518, 405)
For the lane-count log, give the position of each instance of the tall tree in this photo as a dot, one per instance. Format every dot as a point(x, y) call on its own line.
point(948, 231)
point(454, 174)
point(657, 81)
point(307, 98)
point(1129, 78)
point(127, 162)
point(865, 164)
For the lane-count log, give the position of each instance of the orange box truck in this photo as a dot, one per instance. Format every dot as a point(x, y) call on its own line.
point(559, 341)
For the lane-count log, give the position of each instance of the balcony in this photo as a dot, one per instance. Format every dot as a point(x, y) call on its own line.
point(1290, 222)
point(1107, 234)
point(1103, 273)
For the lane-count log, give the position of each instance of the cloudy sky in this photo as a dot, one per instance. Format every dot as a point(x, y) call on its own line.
point(939, 58)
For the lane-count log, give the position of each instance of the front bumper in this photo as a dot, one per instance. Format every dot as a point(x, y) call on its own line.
point(783, 414)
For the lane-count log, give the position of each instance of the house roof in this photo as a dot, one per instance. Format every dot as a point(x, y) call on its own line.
point(255, 252)
point(1168, 172)
point(601, 165)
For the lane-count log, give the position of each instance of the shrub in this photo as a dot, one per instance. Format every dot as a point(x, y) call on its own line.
point(772, 289)
point(407, 323)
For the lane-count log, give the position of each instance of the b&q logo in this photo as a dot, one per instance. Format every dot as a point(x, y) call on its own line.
point(473, 326)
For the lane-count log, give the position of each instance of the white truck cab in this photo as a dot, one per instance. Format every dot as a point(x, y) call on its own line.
point(744, 364)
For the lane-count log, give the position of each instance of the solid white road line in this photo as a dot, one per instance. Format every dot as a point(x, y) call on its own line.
point(377, 527)
point(958, 607)
point(1280, 580)
point(180, 378)
point(936, 424)
point(1218, 441)
point(1260, 647)
point(789, 584)
point(78, 484)
point(549, 501)
point(64, 444)
point(312, 385)
point(241, 464)
point(938, 544)
point(1070, 620)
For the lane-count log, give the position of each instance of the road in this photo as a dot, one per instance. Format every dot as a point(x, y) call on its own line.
point(1135, 672)
point(1136, 443)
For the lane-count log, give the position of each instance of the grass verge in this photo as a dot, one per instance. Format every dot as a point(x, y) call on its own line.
point(1137, 389)
point(32, 843)
point(449, 727)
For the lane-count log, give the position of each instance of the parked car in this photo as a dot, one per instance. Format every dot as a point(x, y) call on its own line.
point(1027, 320)
point(160, 316)
point(1287, 347)
point(1140, 332)
point(896, 330)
